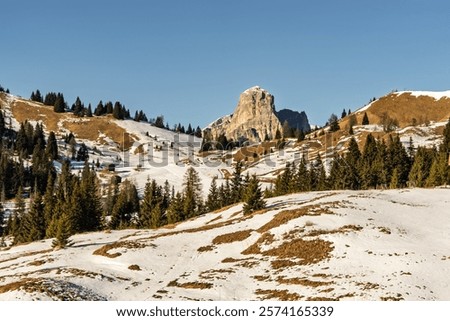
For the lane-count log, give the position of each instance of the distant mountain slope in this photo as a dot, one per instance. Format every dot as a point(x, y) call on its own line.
point(347, 245)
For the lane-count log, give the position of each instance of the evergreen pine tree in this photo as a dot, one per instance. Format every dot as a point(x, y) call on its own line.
point(175, 210)
point(152, 197)
point(33, 223)
point(63, 233)
point(253, 197)
point(191, 193)
point(365, 120)
point(213, 201)
point(52, 147)
point(236, 183)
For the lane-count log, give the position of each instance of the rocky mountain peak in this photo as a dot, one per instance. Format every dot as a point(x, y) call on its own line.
point(254, 117)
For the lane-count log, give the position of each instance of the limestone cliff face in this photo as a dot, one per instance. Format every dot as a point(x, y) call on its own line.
point(253, 119)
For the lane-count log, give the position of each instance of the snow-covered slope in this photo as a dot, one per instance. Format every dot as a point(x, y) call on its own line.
point(347, 245)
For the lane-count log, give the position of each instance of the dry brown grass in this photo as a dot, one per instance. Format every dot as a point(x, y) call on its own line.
point(232, 237)
point(84, 128)
point(134, 267)
point(230, 260)
point(309, 252)
point(218, 274)
point(91, 128)
point(23, 110)
point(13, 286)
point(282, 264)
point(190, 285)
point(405, 107)
point(218, 217)
point(266, 238)
point(342, 229)
point(206, 248)
point(261, 277)
point(281, 295)
point(285, 216)
point(104, 250)
point(303, 282)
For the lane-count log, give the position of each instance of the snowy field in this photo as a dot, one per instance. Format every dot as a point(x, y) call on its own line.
point(339, 245)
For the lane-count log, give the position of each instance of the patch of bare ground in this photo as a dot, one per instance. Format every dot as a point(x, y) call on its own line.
point(218, 217)
point(261, 277)
point(285, 216)
point(398, 297)
point(343, 229)
point(40, 262)
point(321, 298)
point(230, 260)
point(206, 248)
point(282, 264)
point(23, 111)
point(384, 230)
point(134, 267)
point(249, 264)
point(218, 274)
point(303, 282)
point(104, 250)
point(281, 295)
point(266, 238)
point(91, 128)
point(190, 285)
point(232, 237)
point(366, 286)
point(308, 251)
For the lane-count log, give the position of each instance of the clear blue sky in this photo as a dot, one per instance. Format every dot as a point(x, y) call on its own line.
point(190, 60)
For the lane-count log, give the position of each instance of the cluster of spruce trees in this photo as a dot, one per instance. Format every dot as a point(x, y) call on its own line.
point(117, 110)
point(378, 165)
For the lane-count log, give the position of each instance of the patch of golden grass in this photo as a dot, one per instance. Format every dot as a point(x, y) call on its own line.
point(285, 216)
point(91, 128)
point(217, 274)
point(232, 237)
point(303, 282)
point(342, 229)
point(266, 238)
point(218, 217)
point(23, 110)
point(308, 251)
point(261, 277)
point(282, 264)
point(230, 260)
point(13, 286)
point(206, 248)
point(281, 295)
point(104, 250)
point(134, 267)
point(190, 285)
point(405, 107)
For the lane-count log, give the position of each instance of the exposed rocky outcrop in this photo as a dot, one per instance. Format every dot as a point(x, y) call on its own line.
point(295, 119)
point(255, 118)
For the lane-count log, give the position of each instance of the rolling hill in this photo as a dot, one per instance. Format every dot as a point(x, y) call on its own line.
point(346, 245)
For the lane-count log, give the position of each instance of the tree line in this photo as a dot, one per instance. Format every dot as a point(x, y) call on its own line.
point(117, 110)
point(379, 164)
